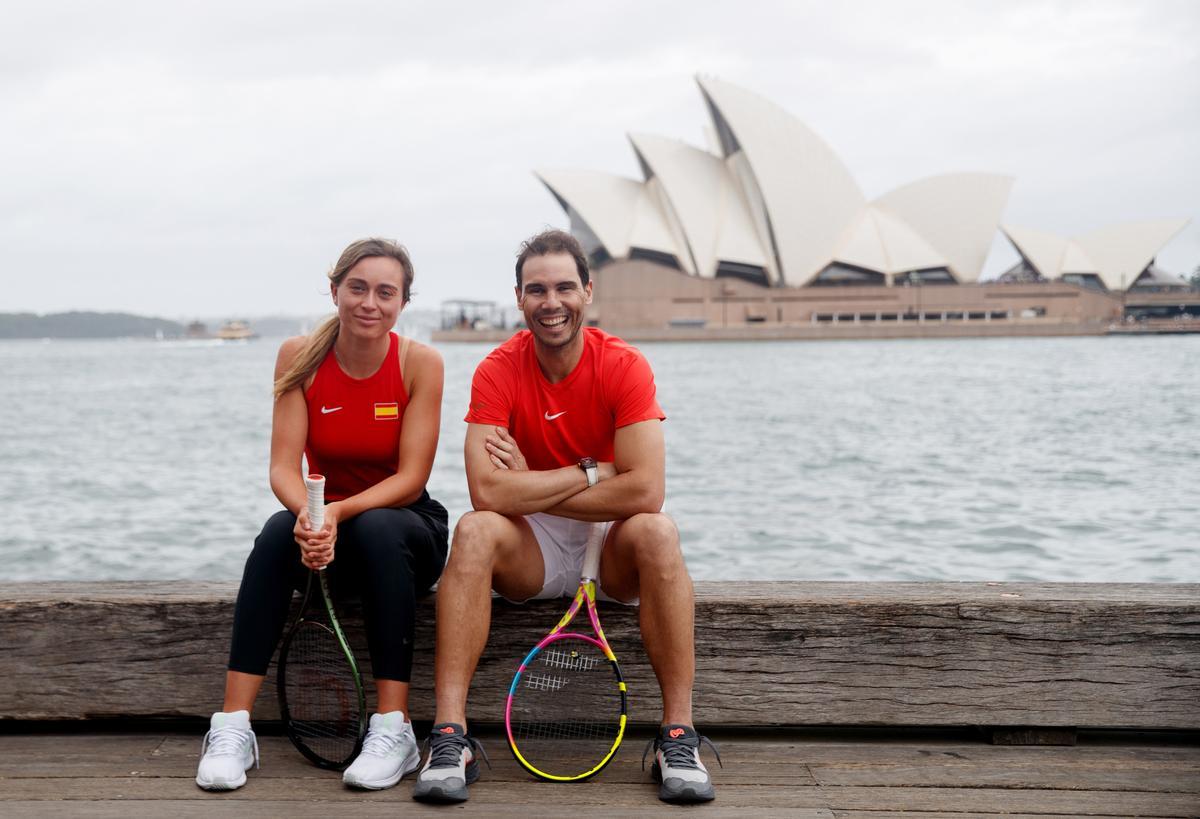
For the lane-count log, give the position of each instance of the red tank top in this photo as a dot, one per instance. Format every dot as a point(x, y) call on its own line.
point(354, 424)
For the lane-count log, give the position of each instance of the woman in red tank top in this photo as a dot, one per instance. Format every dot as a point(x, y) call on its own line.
point(364, 407)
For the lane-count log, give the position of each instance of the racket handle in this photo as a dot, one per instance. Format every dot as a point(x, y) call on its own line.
point(314, 485)
point(591, 557)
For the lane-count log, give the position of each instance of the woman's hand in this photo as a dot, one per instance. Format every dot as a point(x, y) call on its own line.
point(317, 547)
point(503, 450)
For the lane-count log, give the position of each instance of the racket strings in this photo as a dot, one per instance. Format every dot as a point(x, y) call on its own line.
point(575, 730)
point(322, 698)
point(566, 708)
point(570, 660)
point(544, 682)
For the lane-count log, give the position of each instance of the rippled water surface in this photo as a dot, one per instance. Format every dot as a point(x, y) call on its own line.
point(998, 459)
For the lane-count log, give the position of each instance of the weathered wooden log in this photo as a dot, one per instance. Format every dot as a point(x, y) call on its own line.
point(768, 653)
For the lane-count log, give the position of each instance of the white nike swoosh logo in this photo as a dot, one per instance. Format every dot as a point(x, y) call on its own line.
point(550, 417)
point(327, 410)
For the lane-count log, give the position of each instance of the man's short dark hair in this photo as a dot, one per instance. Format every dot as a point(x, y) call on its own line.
point(554, 241)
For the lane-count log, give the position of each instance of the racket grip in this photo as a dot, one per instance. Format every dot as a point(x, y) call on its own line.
point(591, 557)
point(314, 485)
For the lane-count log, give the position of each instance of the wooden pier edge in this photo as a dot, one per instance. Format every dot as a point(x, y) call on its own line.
point(1028, 655)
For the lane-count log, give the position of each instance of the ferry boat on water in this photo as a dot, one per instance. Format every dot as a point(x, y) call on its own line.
point(236, 331)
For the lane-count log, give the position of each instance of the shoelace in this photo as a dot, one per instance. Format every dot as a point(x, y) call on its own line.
point(227, 741)
point(679, 754)
point(381, 743)
point(445, 749)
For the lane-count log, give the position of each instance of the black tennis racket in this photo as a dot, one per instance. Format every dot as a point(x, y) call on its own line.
point(321, 697)
point(567, 708)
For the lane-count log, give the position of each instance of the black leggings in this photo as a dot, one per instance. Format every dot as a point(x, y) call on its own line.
point(387, 556)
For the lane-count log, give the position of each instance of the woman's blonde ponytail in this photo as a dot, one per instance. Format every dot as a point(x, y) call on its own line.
point(316, 347)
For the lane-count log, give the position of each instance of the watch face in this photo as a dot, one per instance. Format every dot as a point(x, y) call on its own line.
point(587, 463)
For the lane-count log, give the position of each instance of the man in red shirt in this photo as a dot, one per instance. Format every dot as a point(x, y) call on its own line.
point(552, 396)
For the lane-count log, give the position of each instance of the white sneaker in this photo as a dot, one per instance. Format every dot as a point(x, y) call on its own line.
point(389, 752)
point(229, 750)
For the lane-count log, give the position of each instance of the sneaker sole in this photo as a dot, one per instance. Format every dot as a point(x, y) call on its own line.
point(221, 786)
point(681, 796)
point(434, 792)
point(232, 785)
point(685, 795)
point(410, 765)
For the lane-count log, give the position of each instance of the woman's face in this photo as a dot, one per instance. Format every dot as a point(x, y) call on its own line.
point(370, 297)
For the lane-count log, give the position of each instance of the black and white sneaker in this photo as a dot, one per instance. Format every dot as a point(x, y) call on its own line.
point(451, 765)
point(678, 767)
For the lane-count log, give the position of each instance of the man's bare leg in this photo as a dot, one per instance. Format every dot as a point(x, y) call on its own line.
point(642, 559)
point(489, 551)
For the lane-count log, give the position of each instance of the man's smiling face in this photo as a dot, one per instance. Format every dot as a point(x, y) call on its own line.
point(552, 299)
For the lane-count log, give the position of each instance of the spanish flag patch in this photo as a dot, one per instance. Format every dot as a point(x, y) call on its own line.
point(387, 412)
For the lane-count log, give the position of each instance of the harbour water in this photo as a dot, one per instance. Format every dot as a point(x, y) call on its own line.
point(961, 459)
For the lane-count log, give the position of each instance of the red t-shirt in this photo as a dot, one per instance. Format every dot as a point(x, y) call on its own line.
point(555, 425)
point(354, 424)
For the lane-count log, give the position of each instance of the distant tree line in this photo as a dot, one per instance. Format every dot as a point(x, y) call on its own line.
point(86, 325)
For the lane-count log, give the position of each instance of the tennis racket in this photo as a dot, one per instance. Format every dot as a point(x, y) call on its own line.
point(566, 708)
point(321, 696)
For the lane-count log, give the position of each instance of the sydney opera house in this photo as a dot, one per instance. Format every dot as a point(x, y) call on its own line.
point(768, 235)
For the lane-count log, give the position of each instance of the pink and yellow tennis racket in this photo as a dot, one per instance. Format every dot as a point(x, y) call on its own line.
point(567, 707)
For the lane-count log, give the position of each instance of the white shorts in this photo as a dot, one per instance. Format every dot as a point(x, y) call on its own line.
point(563, 542)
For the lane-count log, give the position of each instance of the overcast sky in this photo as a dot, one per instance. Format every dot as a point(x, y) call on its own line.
point(206, 159)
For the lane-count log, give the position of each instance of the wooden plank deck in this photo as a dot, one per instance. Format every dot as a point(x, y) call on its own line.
point(83, 657)
point(774, 773)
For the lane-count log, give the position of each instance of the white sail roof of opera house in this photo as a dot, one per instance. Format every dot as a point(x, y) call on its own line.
point(1117, 254)
point(958, 213)
point(777, 200)
point(878, 241)
point(702, 197)
point(618, 212)
point(806, 194)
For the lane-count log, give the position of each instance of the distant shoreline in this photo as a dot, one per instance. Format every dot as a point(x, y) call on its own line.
point(83, 325)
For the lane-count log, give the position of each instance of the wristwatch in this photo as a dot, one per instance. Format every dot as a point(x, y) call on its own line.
point(588, 465)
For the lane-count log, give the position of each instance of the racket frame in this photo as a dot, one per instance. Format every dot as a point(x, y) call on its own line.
point(584, 597)
point(315, 487)
point(281, 678)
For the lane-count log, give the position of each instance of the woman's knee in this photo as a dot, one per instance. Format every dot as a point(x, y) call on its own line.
point(385, 535)
point(276, 542)
point(373, 522)
point(372, 529)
